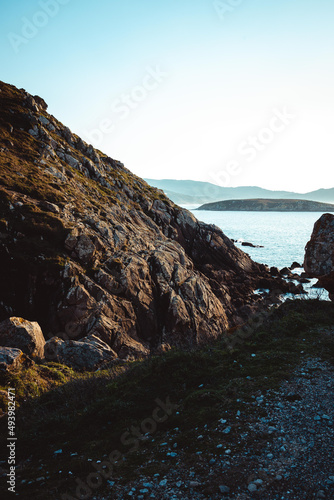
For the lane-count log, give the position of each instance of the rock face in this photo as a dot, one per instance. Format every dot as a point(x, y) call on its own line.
point(13, 359)
point(88, 248)
point(319, 253)
point(24, 335)
point(269, 205)
point(88, 354)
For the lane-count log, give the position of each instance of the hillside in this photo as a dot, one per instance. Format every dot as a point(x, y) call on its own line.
point(268, 205)
point(205, 192)
point(89, 249)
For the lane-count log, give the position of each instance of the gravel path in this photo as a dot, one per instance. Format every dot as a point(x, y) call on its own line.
point(286, 452)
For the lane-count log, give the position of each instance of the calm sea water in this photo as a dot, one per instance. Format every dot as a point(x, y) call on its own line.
point(282, 234)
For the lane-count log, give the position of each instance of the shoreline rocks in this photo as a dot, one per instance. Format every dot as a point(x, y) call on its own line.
point(319, 253)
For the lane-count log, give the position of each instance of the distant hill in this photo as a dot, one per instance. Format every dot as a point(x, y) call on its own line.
point(197, 192)
point(269, 205)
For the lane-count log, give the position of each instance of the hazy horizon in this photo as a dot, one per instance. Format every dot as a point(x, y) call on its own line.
point(228, 92)
point(236, 187)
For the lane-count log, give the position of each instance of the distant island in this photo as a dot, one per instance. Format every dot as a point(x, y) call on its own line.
point(268, 205)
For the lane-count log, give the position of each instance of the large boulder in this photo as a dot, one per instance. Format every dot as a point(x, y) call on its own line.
point(13, 359)
point(87, 354)
point(319, 253)
point(24, 335)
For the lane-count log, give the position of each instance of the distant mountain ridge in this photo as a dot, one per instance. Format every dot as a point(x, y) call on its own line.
point(269, 205)
point(198, 192)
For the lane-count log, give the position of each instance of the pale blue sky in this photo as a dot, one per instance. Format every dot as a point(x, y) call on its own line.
point(186, 88)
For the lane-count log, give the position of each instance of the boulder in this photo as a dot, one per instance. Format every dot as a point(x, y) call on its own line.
point(13, 359)
point(286, 271)
point(22, 334)
point(86, 354)
point(295, 265)
point(319, 253)
point(274, 271)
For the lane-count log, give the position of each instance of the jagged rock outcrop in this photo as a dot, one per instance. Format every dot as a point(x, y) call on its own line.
point(88, 248)
point(319, 253)
point(22, 334)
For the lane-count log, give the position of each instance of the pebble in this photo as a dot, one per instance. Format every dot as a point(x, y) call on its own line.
point(194, 484)
point(224, 489)
point(252, 487)
point(163, 482)
point(321, 494)
point(227, 430)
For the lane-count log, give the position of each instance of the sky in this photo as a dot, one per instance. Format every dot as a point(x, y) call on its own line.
point(233, 92)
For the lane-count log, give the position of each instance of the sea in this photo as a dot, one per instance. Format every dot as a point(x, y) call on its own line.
point(283, 236)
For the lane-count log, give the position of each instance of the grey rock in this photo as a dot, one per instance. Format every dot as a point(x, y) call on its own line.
point(12, 359)
point(22, 334)
point(88, 354)
point(224, 489)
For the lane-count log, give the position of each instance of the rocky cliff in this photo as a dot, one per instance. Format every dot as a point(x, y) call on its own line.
point(89, 249)
point(269, 205)
point(319, 253)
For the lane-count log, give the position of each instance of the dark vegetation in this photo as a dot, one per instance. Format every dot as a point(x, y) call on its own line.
point(57, 406)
